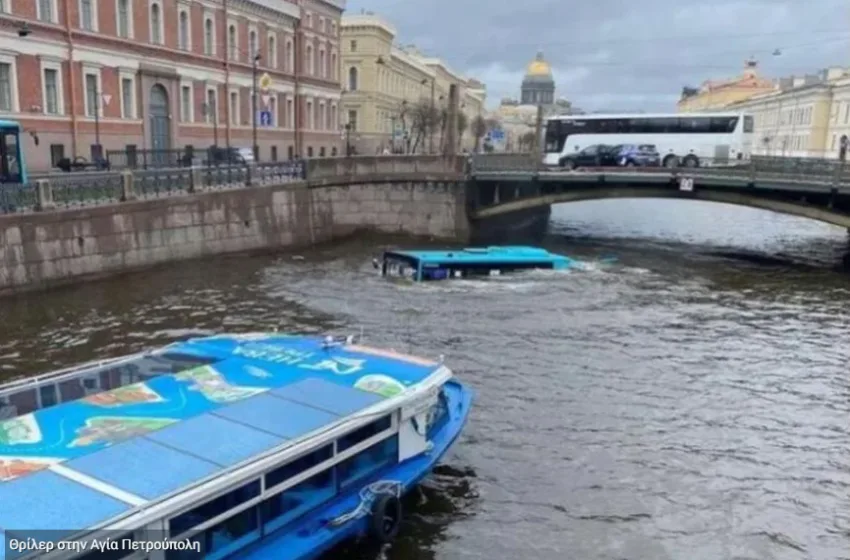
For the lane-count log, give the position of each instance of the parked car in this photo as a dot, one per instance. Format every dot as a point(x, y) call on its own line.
point(637, 155)
point(597, 155)
point(230, 156)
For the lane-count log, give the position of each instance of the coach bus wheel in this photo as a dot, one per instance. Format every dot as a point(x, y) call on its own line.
point(386, 518)
point(691, 161)
point(671, 161)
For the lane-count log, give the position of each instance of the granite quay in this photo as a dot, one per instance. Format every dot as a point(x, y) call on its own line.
point(70, 226)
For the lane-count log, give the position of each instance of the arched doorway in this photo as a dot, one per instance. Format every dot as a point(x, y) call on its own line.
point(159, 120)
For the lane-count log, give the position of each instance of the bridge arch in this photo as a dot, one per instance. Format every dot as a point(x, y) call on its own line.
point(708, 195)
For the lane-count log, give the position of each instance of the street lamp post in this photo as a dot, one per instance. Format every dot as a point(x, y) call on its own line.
point(348, 139)
point(97, 121)
point(254, 104)
point(430, 117)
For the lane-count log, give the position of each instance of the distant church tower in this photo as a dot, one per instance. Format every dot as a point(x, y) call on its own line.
point(538, 85)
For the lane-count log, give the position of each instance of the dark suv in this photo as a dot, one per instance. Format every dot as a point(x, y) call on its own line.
point(597, 155)
point(637, 155)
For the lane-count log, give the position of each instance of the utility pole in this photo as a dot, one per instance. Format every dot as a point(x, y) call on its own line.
point(254, 105)
point(431, 118)
point(97, 121)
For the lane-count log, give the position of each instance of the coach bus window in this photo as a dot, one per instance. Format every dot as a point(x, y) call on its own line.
point(748, 124)
point(723, 125)
point(553, 136)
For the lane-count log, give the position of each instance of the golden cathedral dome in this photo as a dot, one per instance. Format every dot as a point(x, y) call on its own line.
point(538, 68)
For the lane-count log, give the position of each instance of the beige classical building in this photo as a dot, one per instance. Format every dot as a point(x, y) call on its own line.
point(714, 95)
point(804, 116)
point(383, 81)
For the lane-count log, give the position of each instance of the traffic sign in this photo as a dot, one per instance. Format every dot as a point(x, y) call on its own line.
point(266, 100)
point(265, 81)
point(497, 134)
point(106, 98)
point(265, 118)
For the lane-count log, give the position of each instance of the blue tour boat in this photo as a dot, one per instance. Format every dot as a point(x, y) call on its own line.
point(471, 261)
point(249, 446)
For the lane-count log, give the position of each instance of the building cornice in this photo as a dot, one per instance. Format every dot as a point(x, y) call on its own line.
point(268, 10)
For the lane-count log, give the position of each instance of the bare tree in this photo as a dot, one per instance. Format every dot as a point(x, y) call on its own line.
point(478, 128)
point(462, 126)
point(424, 120)
point(527, 141)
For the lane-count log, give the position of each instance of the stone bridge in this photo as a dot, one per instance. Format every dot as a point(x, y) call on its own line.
point(69, 226)
point(502, 185)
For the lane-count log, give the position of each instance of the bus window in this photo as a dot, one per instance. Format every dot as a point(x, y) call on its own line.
point(553, 136)
point(749, 125)
point(10, 169)
point(723, 125)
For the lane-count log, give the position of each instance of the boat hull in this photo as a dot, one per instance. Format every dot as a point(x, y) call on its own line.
point(312, 536)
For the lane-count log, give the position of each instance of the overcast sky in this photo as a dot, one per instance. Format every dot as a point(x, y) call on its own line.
point(622, 54)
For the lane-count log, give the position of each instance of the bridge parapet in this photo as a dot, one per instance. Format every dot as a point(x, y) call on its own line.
point(334, 168)
point(818, 170)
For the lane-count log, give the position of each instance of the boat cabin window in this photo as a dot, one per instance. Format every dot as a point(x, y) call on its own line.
point(95, 380)
point(213, 508)
point(371, 460)
point(362, 434)
point(298, 466)
point(284, 508)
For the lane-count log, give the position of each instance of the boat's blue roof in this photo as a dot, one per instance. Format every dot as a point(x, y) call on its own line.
point(77, 464)
point(497, 254)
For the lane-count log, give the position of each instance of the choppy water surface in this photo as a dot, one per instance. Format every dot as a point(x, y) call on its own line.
point(690, 402)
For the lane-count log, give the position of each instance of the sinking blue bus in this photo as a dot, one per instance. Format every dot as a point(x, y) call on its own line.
point(12, 166)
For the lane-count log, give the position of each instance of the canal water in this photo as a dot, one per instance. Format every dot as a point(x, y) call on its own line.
point(690, 401)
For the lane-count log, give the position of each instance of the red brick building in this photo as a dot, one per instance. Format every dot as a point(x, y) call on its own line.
point(165, 74)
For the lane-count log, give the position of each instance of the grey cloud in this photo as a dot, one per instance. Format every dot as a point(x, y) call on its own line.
point(622, 54)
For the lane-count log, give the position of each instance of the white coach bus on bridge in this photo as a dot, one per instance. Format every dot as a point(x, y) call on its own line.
point(690, 140)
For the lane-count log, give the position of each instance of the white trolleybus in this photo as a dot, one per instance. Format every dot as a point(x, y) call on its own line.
point(690, 140)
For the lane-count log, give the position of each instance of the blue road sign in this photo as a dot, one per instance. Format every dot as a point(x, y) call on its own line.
point(265, 118)
point(497, 134)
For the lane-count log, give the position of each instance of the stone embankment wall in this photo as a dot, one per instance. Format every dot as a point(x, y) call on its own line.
point(398, 195)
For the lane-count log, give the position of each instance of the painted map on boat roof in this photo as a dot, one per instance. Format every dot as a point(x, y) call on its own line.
point(247, 366)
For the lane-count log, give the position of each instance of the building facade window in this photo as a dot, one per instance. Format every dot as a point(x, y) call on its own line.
point(288, 54)
point(290, 114)
point(272, 56)
point(88, 15)
point(156, 23)
point(7, 87)
point(92, 86)
point(253, 47)
point(232, 42)
point(273, 110)
point(4, 7)
point(309, 115)
point(128, 97)
point(353, 46)
point(320, 122)
point(124, 18)
point(333, 66)
point(308, 61)
point(186, 95)
point(234, 108)
point(352, 79)
point(46, 10)
point(352, 120)
point(323, 64)
point(184, 30)
point(211, 114)
point(51, 91)
point(209, 37)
